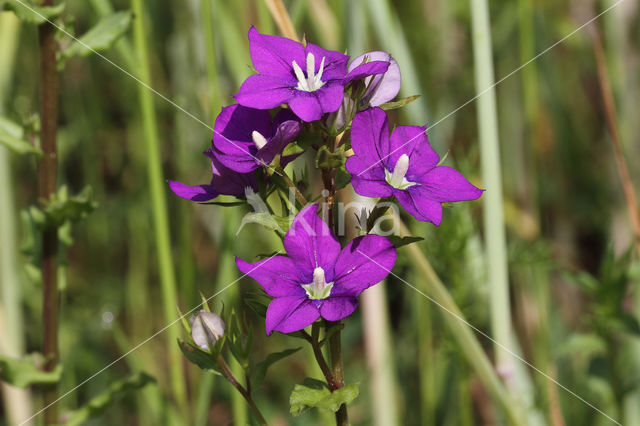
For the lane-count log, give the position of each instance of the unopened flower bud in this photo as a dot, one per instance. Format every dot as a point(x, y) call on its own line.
point(206, 329)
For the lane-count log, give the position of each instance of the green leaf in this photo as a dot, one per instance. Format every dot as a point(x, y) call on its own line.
point(260, 370)
point(100, 37)
point(226, 203)
point(257, 302)
point(61, 208)
point(403, 241)
point(31, 14)
point(343, 178)
point(12, 137)
point(311, 394)
point(98, 404)
point(399, 103)
point(326, 159)
point(202, 359)
point(23, 372)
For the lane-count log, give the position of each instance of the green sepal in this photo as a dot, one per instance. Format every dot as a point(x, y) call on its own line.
point(204, 360)
point(325, 159)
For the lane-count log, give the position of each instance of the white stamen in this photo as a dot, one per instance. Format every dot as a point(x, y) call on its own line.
point(302, 81)
point(258, 139)
point(312, 81)
point(397, 178)
point(319, 289)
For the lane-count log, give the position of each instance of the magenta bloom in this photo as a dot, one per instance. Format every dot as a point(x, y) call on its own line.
point(308, 78)
point(246, 138)
point(317, 279)
point(381, 87)
point(223, 182)
point(404, 166)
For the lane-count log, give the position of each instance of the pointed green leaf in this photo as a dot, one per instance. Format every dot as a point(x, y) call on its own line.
point(23, 372)
point(399, 103)
point(403, 241)
point(260, 370)
point(98, 404)
point(100, 37)
point(12, 137)
point(31, 14)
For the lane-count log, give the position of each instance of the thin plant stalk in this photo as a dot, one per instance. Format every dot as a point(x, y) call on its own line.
point(390, 35)
point(159, 206)
point(612, 123)
point(381, 365)
point(282, 18)
point(462, 333)
point(491, 172)
point(17, 402)
point(47, 178)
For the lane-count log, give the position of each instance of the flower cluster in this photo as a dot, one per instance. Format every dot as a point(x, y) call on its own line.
point(301, 90)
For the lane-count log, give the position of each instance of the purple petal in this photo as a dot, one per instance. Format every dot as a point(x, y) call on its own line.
point(306, 106)
point(311, 244)
point(289, 314)
point(227, 181)
point(366, 180)
point(277, 275)
point(367, 69)
point(335, 63)
point(384, 87)
point(197, 193)
point(417, 203)
point(330, 96)
point(413, 141)
point(445, 184)
point(365, 261)
point(265, 91)
point(370, 135)
point(337, 308)
point(273, 55)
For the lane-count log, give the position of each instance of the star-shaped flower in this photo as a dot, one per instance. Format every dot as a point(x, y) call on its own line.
point(308, 78)
point(404, 166)
point(247, 138)
point(317, 279)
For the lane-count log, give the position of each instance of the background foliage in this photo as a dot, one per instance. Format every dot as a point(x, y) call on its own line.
point(573, 267)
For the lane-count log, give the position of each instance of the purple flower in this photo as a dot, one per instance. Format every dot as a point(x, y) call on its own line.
point(308, 78)
point(381, 87)
point(245, 138)
point(317, 279)
point(404, 166)
point(224, 182)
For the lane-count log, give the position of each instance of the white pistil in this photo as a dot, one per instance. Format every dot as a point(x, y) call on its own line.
point(318, 289)
point(312, 81)
point(258, 139)
point(397, 177)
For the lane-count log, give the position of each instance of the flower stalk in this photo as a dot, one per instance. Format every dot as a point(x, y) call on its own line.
point(47, 174)
point(226, 372)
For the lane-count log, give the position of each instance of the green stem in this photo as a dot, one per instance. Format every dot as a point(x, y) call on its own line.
point(335, 350)
point(317, 352)
point(493, 210)
point(159, 205)
point(47, 174)
point(226, 372)
point(16, 401)
point(462, 332)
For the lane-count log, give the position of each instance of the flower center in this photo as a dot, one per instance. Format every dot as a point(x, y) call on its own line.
point(258, 139)
point(319, 289)
point(312, 81)
point(397, 177)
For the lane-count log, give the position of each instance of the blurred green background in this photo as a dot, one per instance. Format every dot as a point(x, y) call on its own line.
point(572, 263)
